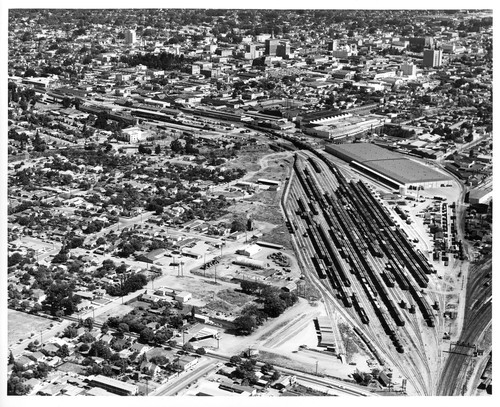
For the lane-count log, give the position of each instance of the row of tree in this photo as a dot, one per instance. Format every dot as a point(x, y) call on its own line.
point(273, 303)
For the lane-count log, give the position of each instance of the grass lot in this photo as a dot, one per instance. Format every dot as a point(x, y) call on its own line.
point(229, 301)
point(21, 325)
point(247, 161)
point(117, 311)
point(234, 298)
point(279, 235)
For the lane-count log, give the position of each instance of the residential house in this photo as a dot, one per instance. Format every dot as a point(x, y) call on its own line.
point(139, 347)
point(149, 368)
point(24, 362)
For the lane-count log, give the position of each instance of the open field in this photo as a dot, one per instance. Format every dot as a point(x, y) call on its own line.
point(118, 311)
point(21, 325)
point(229, 301)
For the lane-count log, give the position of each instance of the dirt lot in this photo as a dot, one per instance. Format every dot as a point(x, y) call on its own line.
point(228, 271)
point(20, 325)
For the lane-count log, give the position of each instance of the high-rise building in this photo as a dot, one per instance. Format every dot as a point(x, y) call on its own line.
point(333, 45)
point(271, 46)
point(250, 49)
point(409, 69)
point(283, 49)
point(433, 58)
point(419, 43)
point(130, 37)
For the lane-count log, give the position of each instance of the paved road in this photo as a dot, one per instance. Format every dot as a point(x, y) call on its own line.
point(185, 379)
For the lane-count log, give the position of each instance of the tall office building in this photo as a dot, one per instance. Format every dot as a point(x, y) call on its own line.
point(409, 69)
point(250, 49)
point(283, 49)
point(433, 58)
point(272, 45)
point(130, 37)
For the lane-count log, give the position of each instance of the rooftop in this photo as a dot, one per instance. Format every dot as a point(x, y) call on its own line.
point(394, 165)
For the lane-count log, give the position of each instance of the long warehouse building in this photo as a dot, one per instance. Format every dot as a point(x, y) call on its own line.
point(393, 169)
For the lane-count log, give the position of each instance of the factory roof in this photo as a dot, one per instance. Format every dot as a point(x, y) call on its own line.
point(406, 171)
point(389, 163)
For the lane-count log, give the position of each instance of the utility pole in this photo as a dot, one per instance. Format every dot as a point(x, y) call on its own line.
point(204, 263)
point(316, 367)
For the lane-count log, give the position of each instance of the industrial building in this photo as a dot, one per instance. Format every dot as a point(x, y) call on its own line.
point(480, 195)
point(390, 168)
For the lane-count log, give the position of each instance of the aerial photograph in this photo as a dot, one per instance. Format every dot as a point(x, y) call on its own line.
point(247, 202)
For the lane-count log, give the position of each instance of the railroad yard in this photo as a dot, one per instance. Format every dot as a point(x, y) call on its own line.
point(372, 268)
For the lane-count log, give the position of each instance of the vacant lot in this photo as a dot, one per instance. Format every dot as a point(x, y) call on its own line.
point(117, 311)
point(21, 325)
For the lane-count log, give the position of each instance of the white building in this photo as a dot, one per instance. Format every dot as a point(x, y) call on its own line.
point(409, 69)
point(130, 37)
point(133, 134)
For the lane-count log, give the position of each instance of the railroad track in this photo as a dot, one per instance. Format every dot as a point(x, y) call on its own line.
point(313, 189)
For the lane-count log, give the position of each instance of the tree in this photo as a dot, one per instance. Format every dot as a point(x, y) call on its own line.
point(274, 306)
point(237, 225)
point(245, 324)
point(235, 360)
point(147, 335)
point(100, 349)
point(201, 351)
point(63, 351)
point(162, 336)
point(89, 323)
point(16, 387)
point(176, 146)
point(87, 338)
point(102, 120)
point(159, 360)
point(188, 347)
point(29, 73)
point(41, 371)
point(11, 358)
point(144, 150)
point(123, 327)
point(157, 149)
point(60, 298)
point(104, 328)
point(66, 102)
point(14, 259)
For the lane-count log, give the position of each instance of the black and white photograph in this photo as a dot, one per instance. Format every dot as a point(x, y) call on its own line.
point(258, 200)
